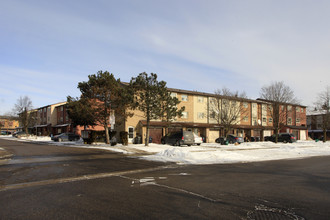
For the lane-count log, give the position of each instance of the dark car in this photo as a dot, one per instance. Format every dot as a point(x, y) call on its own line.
point(19, 134)
point(230, 138)
point(179, 138)
point(282, 137)
point(5, 132)
point(66, 137)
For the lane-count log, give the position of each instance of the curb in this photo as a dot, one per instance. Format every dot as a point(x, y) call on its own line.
point(4, 154)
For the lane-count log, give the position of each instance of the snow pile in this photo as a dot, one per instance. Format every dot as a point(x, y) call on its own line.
point(246, 152)
point(36, 138)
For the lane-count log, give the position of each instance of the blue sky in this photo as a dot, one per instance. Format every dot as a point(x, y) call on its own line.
point(47, 47)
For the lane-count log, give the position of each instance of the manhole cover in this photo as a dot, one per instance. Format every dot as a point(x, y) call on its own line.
point(263, 212)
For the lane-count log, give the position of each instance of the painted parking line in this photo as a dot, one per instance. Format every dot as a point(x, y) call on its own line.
point(81, 178)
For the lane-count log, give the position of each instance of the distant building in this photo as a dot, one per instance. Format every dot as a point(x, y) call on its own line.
point(315, 125)
point(8, 124)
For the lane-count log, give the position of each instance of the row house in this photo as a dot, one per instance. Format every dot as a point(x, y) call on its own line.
point(53, 119)
point(46, 118)
point(315, 125)
point(254, 120)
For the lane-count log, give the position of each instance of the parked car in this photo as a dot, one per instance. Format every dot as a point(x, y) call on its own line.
point(220, 140)
point(255, 139)
point(179, 138)
point(5, 132)
point(230, 138)
point(197, 139)
point(66, 137)
point(19, 134)
point(282, 137)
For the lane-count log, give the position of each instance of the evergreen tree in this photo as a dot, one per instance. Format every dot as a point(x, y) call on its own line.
point(153, 99)
point(80, 111)
point(104, 94)
point(169, 109)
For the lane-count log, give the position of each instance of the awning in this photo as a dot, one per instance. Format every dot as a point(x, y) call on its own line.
point(63, 125)
point(41, 126)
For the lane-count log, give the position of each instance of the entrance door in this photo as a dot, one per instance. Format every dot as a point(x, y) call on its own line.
point(130, 134)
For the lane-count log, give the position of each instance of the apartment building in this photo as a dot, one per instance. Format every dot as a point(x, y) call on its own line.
point(8, 124)
point(255, 119)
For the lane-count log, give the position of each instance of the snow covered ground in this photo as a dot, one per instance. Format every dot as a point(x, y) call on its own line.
point(210, 153)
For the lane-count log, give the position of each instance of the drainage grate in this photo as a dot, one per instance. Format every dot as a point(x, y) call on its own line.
point(263, 212)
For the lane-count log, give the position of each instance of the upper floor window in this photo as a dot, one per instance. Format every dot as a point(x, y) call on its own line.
point(297, 120)
point(289, 107)
point(289, 121)
point(254, 105)
point(297, 109)
point(264, 120)
point(245, 105)
point(173, 94)
point(212, 115)
point(200, 115)
point(302, 110)
point(270, 120)
point(184, 98)
point(184, 115)
point(246, 118)
point(200, 99)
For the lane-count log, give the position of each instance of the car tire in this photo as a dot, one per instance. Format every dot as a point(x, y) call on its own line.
point(198, 144)
point(163, 142)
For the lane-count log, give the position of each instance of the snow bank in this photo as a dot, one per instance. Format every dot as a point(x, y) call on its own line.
point(209, 153)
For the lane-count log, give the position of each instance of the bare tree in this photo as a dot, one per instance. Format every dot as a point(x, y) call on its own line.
point(322, 105)
point(279, 95)
point(22, 108)
point(226, 108)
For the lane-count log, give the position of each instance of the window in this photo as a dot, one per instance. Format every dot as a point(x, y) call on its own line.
point(173, 94)
point(200, 115)
point(184, 98)
point(213, 100)
point(264, 120)
point(254, 119)
point(245, 105)
point(130, 132)
point(302, 110)
point(200, 99)
point(297, 109)
point(289, 107)
point(254, 105)
point(212, 115)
point(246, 118)
point(289, 121)
point(184, 115)
point(298, 120)
point(270, 120)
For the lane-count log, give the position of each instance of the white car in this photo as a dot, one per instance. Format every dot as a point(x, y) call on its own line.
point(198, 140)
